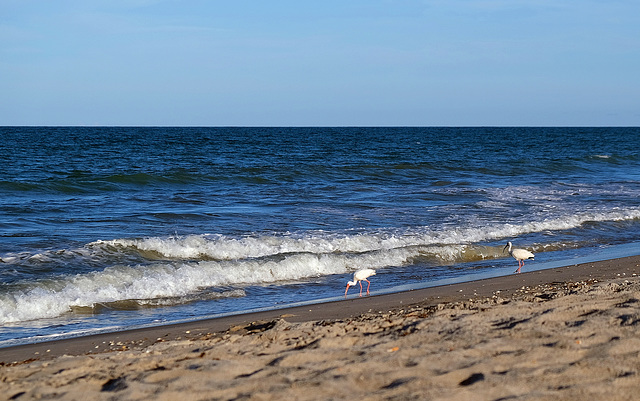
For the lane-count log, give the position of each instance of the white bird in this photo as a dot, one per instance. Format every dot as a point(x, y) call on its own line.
point(519, 254)
point(358, 277)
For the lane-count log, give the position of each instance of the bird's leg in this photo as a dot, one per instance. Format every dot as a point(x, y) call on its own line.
point(368, 286)
point(520, 264)
point(345, 291)
point(360, 287)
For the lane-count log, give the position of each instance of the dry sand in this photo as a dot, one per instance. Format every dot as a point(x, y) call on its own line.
point(567, 333)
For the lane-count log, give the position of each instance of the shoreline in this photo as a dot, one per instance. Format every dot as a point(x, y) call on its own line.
point(140, 338)
point(565, 333)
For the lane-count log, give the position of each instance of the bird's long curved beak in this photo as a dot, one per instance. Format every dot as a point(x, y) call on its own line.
point(505, 248)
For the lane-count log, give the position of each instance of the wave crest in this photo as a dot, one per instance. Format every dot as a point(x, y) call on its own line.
point(153, 271)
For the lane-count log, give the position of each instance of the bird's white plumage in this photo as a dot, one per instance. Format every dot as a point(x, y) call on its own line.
point(363, 274)
point(519, 254)
point(359, 277)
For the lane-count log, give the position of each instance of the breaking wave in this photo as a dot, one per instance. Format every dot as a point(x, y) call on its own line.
point(153, 272)
point(219, 247)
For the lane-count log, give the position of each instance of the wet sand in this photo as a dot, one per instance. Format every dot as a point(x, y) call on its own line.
point(565, 333)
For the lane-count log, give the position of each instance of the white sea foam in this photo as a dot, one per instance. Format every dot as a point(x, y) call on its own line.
point(166, 280)
point(200, 263)
point(225, 248)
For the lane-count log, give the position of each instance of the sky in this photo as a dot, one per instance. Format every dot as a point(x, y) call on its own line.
point(320, 63)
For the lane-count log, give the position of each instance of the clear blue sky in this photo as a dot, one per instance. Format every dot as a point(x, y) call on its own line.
point(325, 63)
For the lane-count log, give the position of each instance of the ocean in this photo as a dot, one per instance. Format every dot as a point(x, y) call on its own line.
point(110, 228)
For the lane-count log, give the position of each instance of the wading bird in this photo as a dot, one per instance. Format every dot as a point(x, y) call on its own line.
point(358, 277)
point(518, 254)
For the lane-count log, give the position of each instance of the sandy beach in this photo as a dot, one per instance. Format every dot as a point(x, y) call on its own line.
point(565, 333)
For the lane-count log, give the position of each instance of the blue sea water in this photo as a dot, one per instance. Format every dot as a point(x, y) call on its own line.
point(106, 228)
